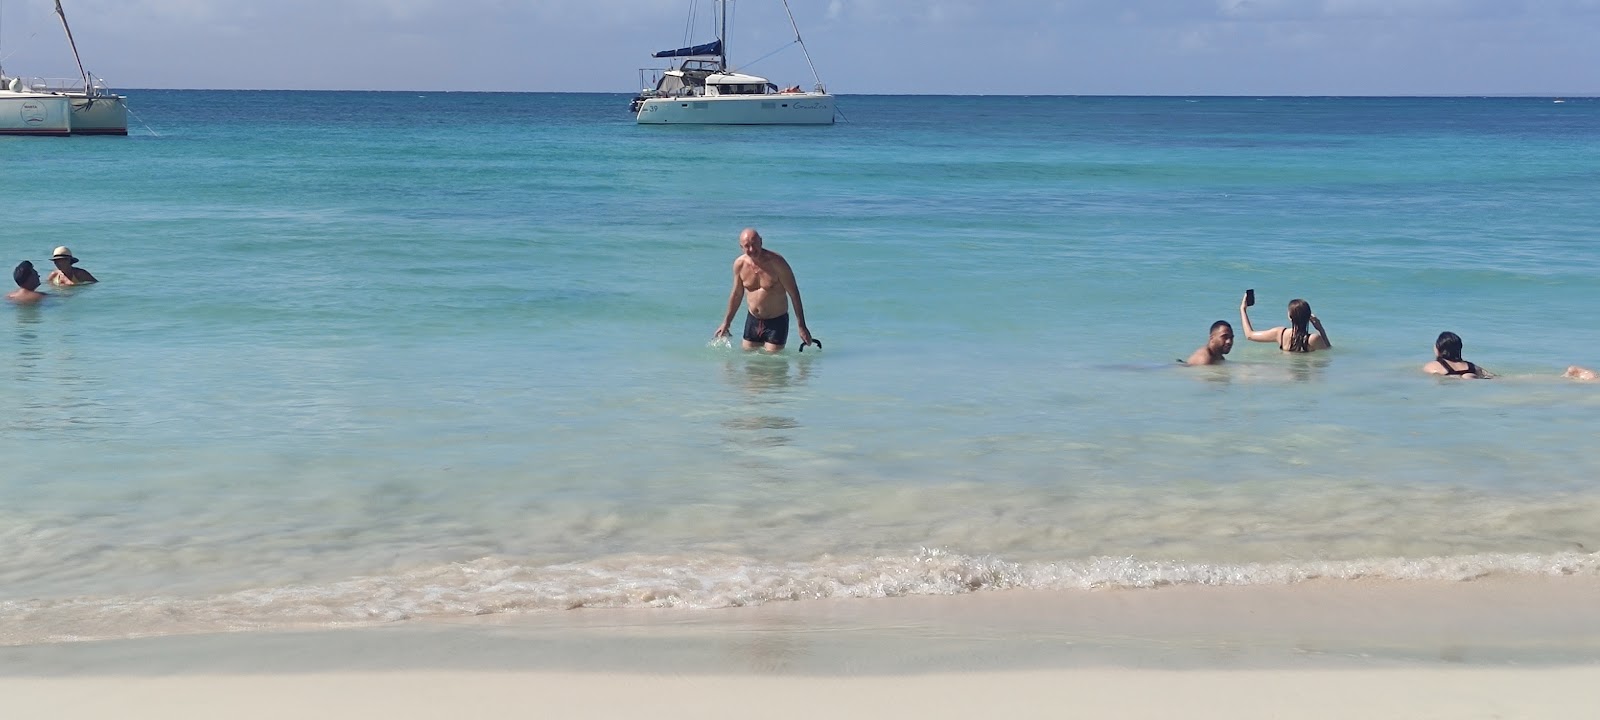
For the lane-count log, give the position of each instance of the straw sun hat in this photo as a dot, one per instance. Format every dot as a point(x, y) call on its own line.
point(63, 253)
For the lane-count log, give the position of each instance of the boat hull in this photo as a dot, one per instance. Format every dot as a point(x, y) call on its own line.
point(34, 114)
point(100, 115)
point(776, 109)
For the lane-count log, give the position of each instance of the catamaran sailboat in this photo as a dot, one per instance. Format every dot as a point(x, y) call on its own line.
point(60, 107)
point(703, 90)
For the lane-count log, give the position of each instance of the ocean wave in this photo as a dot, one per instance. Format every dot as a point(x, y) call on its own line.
point(494, 586)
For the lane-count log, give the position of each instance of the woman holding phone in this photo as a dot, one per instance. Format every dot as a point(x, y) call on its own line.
point(1296, 337)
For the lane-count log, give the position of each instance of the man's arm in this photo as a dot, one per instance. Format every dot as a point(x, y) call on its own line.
point(793, 288)
point(734, 297)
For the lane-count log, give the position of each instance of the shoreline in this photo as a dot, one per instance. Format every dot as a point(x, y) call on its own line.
point(1525, 646)
point(1500, 620)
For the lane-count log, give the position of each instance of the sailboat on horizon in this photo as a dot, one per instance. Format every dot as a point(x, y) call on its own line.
point(703, 90)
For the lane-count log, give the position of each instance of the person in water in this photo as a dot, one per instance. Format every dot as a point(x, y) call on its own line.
point(1447, 360)
point(1297, 338)
point(766, 282)
point(65, 273)
point(27, 280)
point(1220, 342)
point(1580, 373)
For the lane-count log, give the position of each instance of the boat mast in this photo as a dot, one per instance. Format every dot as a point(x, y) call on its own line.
point(88, 87)
point(803, 49)
point(722, 34)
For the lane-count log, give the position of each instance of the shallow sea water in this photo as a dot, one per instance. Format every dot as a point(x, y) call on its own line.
point(448, 354)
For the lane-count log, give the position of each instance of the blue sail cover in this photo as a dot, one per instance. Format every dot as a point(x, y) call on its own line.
point(710, 48)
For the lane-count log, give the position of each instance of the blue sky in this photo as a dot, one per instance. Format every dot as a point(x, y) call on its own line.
point(1137, 47)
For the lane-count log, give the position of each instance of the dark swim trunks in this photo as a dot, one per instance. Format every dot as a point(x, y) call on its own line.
point(773, 331)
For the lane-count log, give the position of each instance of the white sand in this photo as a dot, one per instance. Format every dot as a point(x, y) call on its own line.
point(1564, 693)
point(1495, 648)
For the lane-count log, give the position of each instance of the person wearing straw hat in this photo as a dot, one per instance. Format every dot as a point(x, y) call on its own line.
point(65, 273)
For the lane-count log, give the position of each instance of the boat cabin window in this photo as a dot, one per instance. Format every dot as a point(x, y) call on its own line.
point(741, 89)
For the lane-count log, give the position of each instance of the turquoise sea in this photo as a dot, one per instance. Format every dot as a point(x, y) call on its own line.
point(360, 357)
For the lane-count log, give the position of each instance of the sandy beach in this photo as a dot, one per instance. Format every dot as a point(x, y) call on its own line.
point(1495, 647)
point(1410, 694)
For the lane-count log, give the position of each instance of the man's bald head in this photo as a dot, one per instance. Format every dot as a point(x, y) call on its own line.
point(750, 241)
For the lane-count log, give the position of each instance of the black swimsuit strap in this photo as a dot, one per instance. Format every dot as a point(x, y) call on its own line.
point(1471, 369)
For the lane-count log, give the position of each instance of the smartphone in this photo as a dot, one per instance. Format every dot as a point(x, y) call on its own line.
point(1250, 297)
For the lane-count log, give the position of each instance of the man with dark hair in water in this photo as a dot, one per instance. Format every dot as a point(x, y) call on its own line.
point(764, 279)
point(27, 280)
point(1219, 344)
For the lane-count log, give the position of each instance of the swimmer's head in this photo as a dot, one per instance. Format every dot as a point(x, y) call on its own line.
point(25, 276)
point(1221, 337)
point(1448, 346)
point(1299, 312)
point(750, 241)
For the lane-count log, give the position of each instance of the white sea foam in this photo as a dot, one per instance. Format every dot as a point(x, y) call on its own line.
point(494, 586)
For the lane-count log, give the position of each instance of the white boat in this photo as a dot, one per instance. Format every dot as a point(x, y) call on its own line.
point(703, 90)
point(31, 113)
point(91, 109)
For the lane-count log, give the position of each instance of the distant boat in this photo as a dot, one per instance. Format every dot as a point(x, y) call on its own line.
point(703, 90)
point(33, 106)
point(31, 113)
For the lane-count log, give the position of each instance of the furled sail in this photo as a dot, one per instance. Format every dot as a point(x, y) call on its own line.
point(710, 48)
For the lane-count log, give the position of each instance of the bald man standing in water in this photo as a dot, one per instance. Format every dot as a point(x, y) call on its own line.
point(763, 278)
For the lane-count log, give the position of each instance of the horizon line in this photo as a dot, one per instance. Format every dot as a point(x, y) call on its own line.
point(1588, 95)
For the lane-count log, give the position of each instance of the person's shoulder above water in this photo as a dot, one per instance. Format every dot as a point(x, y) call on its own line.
point(1580, 373)
point(1447, 360)
point(65, 272)
point(27, 280)
point(1217, 345)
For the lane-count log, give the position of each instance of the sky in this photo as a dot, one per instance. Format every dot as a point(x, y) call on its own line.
point(955, 47)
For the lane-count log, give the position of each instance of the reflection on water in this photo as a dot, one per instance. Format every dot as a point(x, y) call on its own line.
point(765, 384)
point(761, 422)
point(1217, 374)
point(1305, 367)
point(29, 357)
point(48, 390)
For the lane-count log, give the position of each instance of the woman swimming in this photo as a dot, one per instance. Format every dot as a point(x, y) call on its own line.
point(1447, 360)
point(1297, 338)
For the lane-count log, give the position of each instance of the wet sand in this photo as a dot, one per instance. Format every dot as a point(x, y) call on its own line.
point(1494, 647)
